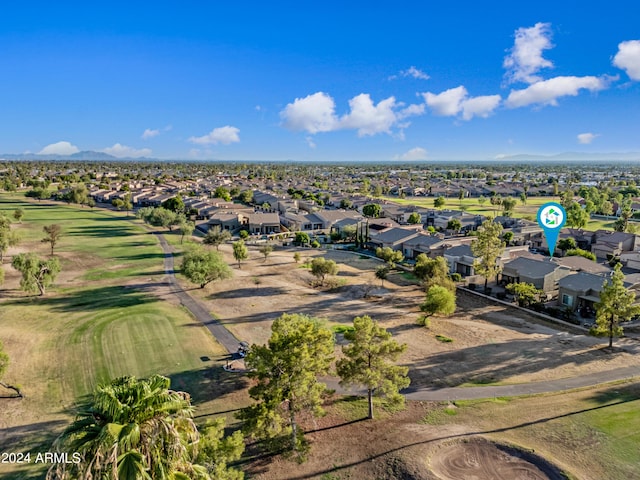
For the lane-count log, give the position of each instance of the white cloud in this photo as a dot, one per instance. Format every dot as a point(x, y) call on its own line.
point(547, 92)
point(313, 113)
point(417, 153)
point(59, 148)
point(482, 106)
point(120, 151)
point(368, 118)
point(316, 113)
point(411, 72)
point(525, 59)
point(411, 111)
point(628, 58)
point(587, 138)
point(224, 135)
point(447, 103)
point(310, 142)
point(456, 100)
point(149, 133)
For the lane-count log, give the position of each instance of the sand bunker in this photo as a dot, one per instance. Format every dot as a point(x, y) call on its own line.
point(480, 459)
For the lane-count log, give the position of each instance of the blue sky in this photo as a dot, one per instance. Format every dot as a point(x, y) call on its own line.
point(319, 81)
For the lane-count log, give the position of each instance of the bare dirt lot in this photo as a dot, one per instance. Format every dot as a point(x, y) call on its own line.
point(491, 344)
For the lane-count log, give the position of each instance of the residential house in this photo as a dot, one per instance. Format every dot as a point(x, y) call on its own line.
point(262, 223)
point(460, 259)
point(225, 220)
point(611, 244)
point(580, 291)
point(393, 238)
point(584, 238)
point(543, 273)
point(430, 245)
point(630, 260)
point(580, 264)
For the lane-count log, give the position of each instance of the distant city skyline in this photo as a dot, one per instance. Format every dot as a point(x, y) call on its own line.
point(328, 82)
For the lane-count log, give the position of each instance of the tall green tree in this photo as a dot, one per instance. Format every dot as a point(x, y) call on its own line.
point(4, 364)
point(616, 305)
point(577, 216)
point(265, 250)
point(439, 202)
point(54, 232)
point(439, 301)
point(240, 252)
point(454, 224)
point(389, 255)
point(175, 204)
point(18, 214)
point(321, 267)
point(204, 266)
point(368, 361)
point(508, 205)
point(414, 218)
point(286, 374)
point(8, 237)
point(216, 236)
point(372, 210)
point(131, 429)
point(186, 229)
point(433, 271)
point(215, 451)
point(222, 192)
point(622, 223)
point(37, 274)
point(487, 248)
point(301, 238)
point(568, 243)
point(525, 293)
point(381, 273)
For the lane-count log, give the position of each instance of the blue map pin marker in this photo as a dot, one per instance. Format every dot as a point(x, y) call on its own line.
point(551, 217)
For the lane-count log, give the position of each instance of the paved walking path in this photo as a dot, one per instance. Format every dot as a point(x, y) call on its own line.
point(230, 342)
point(219, 332)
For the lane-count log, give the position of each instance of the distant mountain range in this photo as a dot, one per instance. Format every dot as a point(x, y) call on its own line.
point(574, 156)
point(89, 155)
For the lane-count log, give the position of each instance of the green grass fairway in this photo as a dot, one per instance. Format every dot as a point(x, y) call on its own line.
point(102, 319)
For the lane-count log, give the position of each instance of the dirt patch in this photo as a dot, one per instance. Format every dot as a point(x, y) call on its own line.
point(401, 446)
point(481, 459)
point(492, 344)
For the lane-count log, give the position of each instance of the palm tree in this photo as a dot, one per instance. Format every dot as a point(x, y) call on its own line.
point(132, 429)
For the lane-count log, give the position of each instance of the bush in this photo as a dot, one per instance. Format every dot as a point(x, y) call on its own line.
point(315, 244)
point(424, 321)
point(456, 277)
point(343, 328)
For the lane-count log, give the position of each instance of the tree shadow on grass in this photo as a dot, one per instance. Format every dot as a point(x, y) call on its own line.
point(90, 299)
point(249, 292)
point(208, 383)
point(101, 232)
point(629, 392)
point(141, 256)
